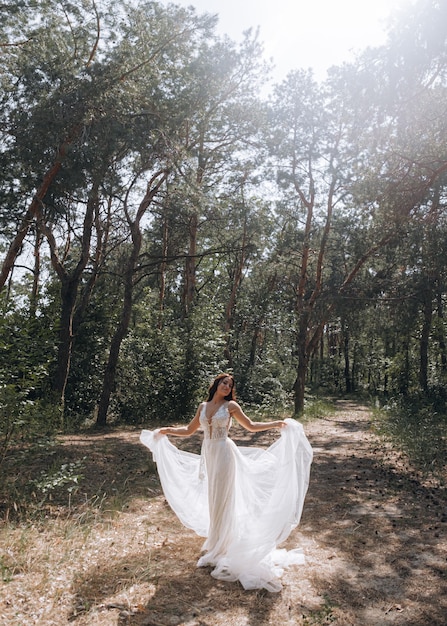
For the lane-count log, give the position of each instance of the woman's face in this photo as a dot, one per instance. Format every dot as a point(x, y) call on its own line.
point(225, 385)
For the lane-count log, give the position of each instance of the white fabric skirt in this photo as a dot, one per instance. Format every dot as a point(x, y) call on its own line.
point(244, 500)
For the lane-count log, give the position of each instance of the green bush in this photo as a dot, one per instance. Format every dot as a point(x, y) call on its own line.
point(149, 380)
point(23, 419)
point(59, 478)
point(417, 425)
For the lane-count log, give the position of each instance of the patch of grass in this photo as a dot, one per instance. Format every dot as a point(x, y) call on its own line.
point(316, 408)
point(324, 615)
point(266, 413)
point(6, 571)
point(61, 477)
point(77, 532)
point(418, 428)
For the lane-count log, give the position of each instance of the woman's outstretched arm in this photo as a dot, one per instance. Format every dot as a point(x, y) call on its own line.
point(182, 431)
point(253, 427)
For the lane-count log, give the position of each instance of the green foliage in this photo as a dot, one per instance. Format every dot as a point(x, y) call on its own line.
point(6, 572)
point(417, 424)
point(316, 408)
point(87, 362)
point(149, 379)
point(60, 478)
point(23, 419)
point(163, 372)
point(26, 351)
point(264, 390)
point(26, 344)
point(324, 615)
point(309, 229)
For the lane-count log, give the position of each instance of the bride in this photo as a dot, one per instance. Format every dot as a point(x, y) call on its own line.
point(244, 500)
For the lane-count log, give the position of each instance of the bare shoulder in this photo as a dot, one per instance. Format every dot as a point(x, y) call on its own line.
point(233, 406)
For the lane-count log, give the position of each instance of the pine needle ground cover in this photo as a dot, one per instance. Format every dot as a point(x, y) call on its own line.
point(93, 542)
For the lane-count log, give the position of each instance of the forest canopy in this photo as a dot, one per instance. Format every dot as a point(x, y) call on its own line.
point(163, 219)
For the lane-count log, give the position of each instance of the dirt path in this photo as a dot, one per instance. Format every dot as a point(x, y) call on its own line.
point(373, 533)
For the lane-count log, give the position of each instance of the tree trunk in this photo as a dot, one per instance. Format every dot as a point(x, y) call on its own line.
point(34, 298)
point(441, 336)
point(303, 354)
point(404, 378)
point(163, 266)
point(126, 311)
point(69, 291)
point(300, 385)
point(115, 346)
point(190, 266)
point(102, 235)
point(354, 370)
point(32, 213)
point(348, 385)
point(231, 304)
point(424, 341)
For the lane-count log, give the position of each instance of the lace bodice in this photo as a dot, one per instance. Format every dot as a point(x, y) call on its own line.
point(219, 425)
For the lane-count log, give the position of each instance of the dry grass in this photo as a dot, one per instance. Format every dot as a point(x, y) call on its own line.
point(112, 552)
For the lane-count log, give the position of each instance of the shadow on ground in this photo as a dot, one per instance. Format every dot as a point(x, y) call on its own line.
point(182, 593)
point(385, 527)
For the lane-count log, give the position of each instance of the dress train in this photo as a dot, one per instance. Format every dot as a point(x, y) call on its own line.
point(244, 500)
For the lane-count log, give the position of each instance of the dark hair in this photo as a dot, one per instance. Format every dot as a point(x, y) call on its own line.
point(213, 387)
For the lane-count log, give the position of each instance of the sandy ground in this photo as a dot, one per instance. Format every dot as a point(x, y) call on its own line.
point(373, 532)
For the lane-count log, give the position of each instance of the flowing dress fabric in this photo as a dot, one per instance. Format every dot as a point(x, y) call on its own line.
point(245, 501)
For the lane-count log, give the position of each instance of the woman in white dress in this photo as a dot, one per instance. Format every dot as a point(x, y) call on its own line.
point(244, 500)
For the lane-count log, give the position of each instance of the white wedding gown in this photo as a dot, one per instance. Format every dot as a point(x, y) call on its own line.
point(245, 501)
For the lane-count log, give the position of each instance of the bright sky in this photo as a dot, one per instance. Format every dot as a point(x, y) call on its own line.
point(304, 33)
